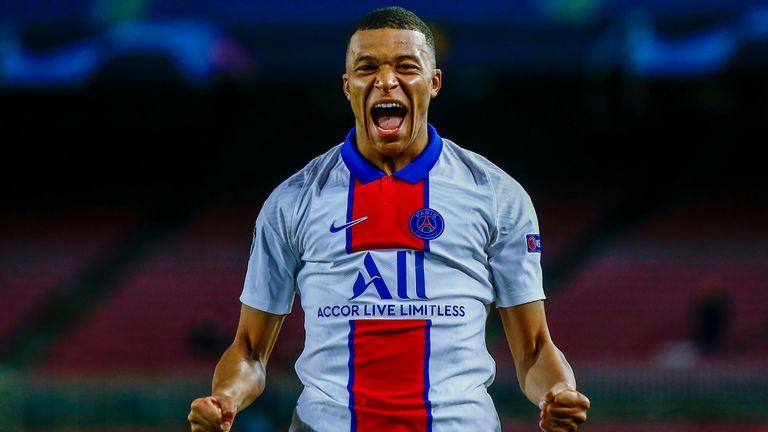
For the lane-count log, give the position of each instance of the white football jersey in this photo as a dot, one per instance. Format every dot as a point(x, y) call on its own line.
point(396, 275)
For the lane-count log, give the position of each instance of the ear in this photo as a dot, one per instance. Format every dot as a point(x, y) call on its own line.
point(437, 82)
point(345, 80)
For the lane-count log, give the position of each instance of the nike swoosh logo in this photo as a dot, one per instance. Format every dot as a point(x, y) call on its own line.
point(335, 228)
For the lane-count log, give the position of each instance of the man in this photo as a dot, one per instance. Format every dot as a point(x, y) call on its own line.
point(397, 242)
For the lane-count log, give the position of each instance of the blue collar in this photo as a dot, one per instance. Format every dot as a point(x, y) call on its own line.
point(366, 172)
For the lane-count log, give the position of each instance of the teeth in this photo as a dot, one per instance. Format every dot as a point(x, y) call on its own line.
point(388, 105)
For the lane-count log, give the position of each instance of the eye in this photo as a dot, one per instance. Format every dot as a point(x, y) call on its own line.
point(407, 67)
point(365, 68)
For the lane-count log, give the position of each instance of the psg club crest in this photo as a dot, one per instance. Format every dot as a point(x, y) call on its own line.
point(427, 224)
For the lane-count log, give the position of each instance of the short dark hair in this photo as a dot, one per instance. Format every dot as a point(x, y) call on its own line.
point(398, 18)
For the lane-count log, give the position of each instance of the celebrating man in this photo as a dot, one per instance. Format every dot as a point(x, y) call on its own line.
point(398, 242)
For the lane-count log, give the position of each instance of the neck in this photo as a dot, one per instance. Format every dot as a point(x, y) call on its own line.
point(390, 158)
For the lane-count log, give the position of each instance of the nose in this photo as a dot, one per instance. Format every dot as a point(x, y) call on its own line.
point(386, 80)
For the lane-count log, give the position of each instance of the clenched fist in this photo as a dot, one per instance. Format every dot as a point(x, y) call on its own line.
point(211, 414)
point(562, 409)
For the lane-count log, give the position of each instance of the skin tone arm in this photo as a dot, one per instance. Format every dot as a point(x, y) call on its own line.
point(543, 373)
point(240, 375)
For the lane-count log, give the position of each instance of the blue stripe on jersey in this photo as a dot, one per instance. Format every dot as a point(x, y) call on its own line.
point(350, 196)
point(426, 205)
point(427, 349)
point(351, 343)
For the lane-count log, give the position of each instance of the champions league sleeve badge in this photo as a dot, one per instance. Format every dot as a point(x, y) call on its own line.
point(426, 224)
point(534, 243)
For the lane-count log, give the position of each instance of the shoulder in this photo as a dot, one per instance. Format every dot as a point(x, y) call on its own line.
point(289, 194)
point(484, 172)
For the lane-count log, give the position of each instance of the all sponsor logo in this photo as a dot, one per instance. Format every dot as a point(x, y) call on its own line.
point(370, 280)
point(370, 276)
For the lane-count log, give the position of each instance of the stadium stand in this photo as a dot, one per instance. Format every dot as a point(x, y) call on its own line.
point(642, 290)
point(176, 309)
point(41, 251)
point(562, 222)
point(145, 323)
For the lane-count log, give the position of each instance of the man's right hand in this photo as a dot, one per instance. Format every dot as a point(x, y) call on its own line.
point(211, 414)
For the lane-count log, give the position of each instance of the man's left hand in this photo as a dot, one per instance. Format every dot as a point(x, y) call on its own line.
point(563, 409)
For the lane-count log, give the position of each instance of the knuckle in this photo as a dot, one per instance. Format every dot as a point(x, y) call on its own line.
point(585, 401)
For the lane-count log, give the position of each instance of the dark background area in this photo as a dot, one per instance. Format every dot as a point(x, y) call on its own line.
point(123, 139)
point(618, 136)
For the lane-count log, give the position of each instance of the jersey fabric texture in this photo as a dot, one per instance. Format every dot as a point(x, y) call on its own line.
point(396, 275)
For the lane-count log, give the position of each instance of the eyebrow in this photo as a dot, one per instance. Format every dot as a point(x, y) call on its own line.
point(365, 57)
point(408, 57)
point(401, 57)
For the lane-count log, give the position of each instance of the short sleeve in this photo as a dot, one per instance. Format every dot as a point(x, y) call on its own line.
point(270, 279)
point(514, 253)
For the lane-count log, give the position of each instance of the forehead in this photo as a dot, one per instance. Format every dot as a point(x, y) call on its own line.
point(384, 42)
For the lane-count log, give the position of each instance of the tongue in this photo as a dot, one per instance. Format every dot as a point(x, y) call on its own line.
point(390, 122)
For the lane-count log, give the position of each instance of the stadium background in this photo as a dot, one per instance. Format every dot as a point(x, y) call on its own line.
point(139, 139)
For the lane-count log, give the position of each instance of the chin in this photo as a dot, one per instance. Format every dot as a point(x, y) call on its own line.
point(392, 148)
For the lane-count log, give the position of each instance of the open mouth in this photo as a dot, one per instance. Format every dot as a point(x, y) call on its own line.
point(388, 117)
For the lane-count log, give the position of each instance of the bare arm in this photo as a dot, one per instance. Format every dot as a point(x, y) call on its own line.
point(538, 362)
point(240, 375)
point(544, 375)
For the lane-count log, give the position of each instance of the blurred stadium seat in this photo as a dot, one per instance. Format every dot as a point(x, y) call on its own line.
point(641, 291)
point(43, 250)
point(147, 323)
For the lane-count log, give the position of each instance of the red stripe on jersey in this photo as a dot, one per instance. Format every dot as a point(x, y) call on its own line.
point(388, 202)
point(390, 367)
